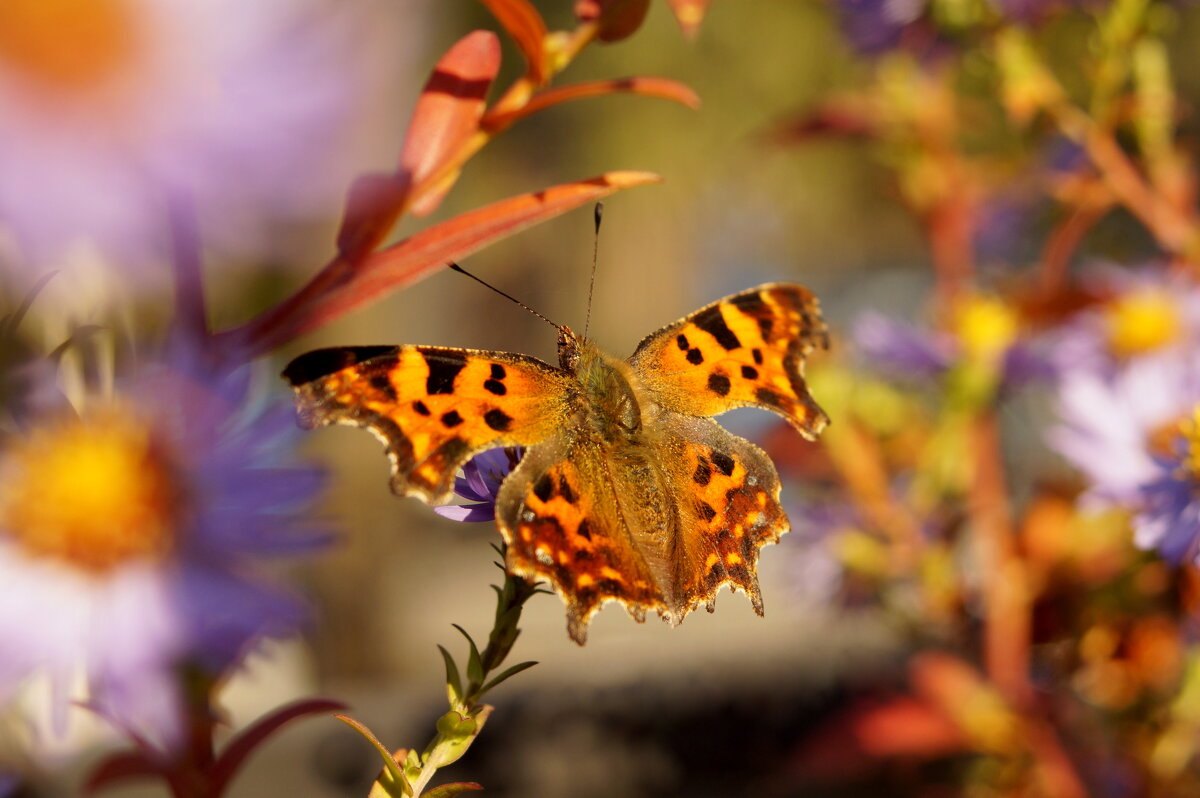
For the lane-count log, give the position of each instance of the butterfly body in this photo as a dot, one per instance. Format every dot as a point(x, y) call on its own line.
point(627, 490)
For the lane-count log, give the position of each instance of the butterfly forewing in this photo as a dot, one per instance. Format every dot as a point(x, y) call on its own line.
point(747, 350)
point(433, 407)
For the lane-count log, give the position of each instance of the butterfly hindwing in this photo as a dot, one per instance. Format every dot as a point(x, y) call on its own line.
point(747, 350)
point(661, 533)
point(433, 407)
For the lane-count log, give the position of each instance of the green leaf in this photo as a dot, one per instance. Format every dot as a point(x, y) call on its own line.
point(475, 663)
point(455, 734)
point(506, 674)
point(392, 770)
point(454, 691)
point(453, 789)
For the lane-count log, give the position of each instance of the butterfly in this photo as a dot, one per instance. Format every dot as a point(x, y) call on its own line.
point(628, 491)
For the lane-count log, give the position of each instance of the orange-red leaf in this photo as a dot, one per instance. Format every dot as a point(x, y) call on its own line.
point(907, 727)
point(372, 205)
point(448, 113)
point(416, 257)
point(689, 14)
point(523, 22)
point(646, 87)
point(615, 19)
point(343, 286)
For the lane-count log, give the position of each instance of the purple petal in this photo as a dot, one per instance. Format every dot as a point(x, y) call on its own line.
point(900, 348)
point(471, 513)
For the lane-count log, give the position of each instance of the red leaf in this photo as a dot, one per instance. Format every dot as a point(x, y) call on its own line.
point(343, 286)
point(646, 87)
point(245, 742)
point(415, 257)
point(523, 22)
point(907, 727)
point(122, 767)
point(616, 19)
point(689, 14)
point(372, 207)
point(447, 115)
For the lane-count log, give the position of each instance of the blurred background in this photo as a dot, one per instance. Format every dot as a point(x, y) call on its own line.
point(725, 704)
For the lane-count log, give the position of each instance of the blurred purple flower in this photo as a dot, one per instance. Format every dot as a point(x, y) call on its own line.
point(1133, 433)
point(873, 26)
point(112, 106)
point(140, 527)
point(1146, 311)
point(480, 484)
point(905, 351)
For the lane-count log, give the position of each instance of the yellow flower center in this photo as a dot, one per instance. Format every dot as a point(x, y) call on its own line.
point(1142, 321)
point(1190, 429)
point(985, 327)
point(71, 45)
point(93, 492)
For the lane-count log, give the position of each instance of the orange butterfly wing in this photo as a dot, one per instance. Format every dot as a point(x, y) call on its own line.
point(433, 407)
point(747, 350)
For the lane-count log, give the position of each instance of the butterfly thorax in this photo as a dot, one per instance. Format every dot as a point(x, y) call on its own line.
point(609, 406)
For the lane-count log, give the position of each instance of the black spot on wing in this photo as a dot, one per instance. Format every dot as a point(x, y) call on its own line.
point(695, 357)
point(706, 511)
point(383, 384)
point(682, 342)
point(564, 490)
point(421, 407)
point(718, 383)
point(497, 419)
point(444, 366)
point(703, 473)
point(758, 356)
point(749, 372)
point(498, 372)
point(451, 419)
point(323, 362)
point(495, 386)
point(584, 530)
point(751, 303)
point(769, 397)
point(544, 488)
point(723, 462)
point(712, 322)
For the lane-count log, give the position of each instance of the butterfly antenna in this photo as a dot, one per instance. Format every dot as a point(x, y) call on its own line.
point(598, 213)
point(509, 297)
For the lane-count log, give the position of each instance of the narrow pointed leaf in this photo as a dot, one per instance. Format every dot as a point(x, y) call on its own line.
point(451, 790)
point(453, 681)
point(689, 14)
point(372, 207)
point(447, 114)
point(506, 674)
point(663, 88)
point(389, 761)
point(415, 258)
point(246, 741)
point(527, 28)
point(474, 663)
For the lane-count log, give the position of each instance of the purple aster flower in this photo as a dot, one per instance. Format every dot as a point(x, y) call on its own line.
point(132, 539)
point(1144, 312)
point(1134, 432)
point(111, 106)
point(480, 484)
point(985, 331)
